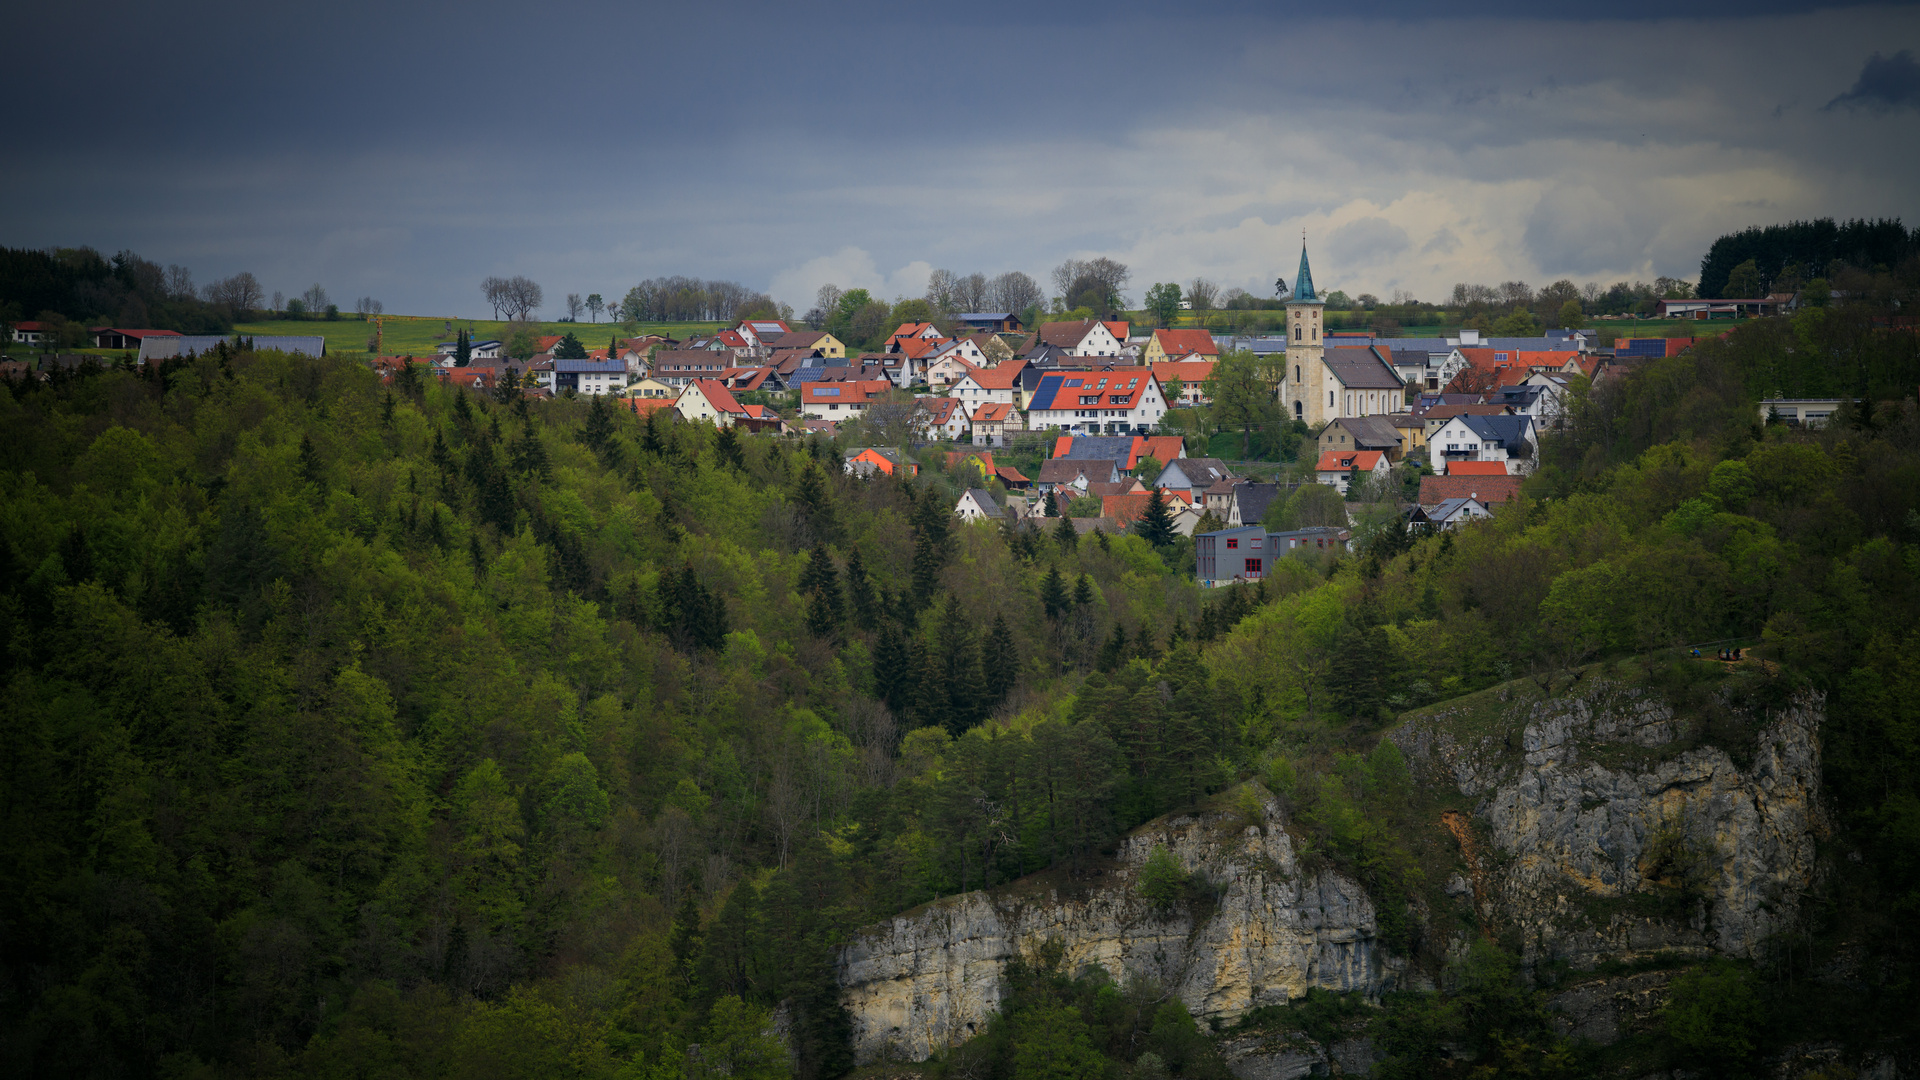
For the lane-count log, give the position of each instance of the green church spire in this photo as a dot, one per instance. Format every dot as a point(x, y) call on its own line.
point(1303, 281)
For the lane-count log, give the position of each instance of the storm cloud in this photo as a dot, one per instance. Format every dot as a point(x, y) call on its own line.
point(592, 145)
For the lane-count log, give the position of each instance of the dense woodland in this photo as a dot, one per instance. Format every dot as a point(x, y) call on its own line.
point(355, 729)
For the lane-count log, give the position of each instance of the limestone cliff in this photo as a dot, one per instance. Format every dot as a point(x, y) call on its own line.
point(1615, 831)
point(930, 978)
point(1604, 827)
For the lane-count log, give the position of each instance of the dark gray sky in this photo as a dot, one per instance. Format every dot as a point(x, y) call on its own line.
point(408, 150)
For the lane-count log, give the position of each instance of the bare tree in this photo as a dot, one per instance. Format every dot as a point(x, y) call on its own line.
point(1201, 294)
point(523, 297)
point(316, 298)
point(574, 306)
point(239, 293)
point(1517, 293)
point(1014, 292)
point(1075, 277)
point(1592, 291)
point(367, 305)
point(828, 298)
point(495, 289)
point(970, 293)
point(180, 283)
point(1403, 298)
point(279, 300)
point(940, 290)
point(1064, 275)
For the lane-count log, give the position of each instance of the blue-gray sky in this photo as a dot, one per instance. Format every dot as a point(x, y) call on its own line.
point(407, 150)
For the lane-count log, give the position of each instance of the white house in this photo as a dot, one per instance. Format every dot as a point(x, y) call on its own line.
point(707, 399)
point(1088, 337)
point(979, 385)
point(1338, 468)
point(976, 504)
point(1118, 402)
point(1507, 439)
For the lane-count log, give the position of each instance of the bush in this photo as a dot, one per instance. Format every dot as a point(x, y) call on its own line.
point(1162, 881)
point(1713, 1015)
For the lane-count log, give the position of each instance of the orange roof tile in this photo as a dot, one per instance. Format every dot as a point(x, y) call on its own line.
point(1476, 468)
point(1341, 460)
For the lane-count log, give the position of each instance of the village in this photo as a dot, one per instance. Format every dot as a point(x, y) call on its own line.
point(1091, 419)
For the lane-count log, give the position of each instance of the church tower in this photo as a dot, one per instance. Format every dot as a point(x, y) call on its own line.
point(1303, 393)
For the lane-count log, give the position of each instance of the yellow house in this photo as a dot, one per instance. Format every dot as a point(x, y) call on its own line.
point(652, 388)
point(812, 339)
point(1167, 345)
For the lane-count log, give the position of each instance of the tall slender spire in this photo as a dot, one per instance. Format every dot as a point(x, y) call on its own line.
point(1303, 281)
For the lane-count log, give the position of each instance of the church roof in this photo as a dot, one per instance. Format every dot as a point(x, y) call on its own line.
point(1303, 281)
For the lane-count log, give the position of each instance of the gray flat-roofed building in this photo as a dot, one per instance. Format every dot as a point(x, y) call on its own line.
point(167, 348)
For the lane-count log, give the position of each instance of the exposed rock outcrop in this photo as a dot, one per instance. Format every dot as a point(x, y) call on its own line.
point(930, 978)
point(1605, 828)
point(1619, 834)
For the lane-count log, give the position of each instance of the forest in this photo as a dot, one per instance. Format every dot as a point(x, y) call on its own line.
point(360, 729)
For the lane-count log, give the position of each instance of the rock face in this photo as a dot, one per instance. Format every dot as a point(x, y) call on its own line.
point(930, 978)
point(1620, 835)
point(1605, 828)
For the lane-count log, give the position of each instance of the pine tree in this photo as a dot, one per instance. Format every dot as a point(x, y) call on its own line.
point(597, 434)
point(997, 662)
point(820, 582)
point(1083, 591)
point(685, 939)
point(462, 350)
point(965, 683)
point(570, 348)
point(650, 441)
point(1053, 595)
point(1156, 524)
point(860, 591)
point(496, 494)
point(310, 470)
point(1178, 633)
point(530, 455)
point(927, 704)
point(1065, 535)
point(1052, 507)
point(816, 502)
point(726, 445)
point(386, 411)
point(893, 681)
point(613, 347)
point(1114, 653)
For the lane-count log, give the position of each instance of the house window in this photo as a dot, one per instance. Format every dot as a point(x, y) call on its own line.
point(1253, 567)
point(1296, 333)
point(1233, 543)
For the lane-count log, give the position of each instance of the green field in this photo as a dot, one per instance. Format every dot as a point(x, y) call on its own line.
point(412, 336)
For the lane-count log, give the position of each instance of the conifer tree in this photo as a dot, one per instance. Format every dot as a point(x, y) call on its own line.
point(1065, 535)
point(598, 430)
point(1114, 653)
point(893, 681)
point(726, 445)
point(1052, 507)
point(650, 441)
point(965, 683)
point(310, 470)
point(927, 704)
point(1156, 523)
point(1083, 591)
point(997, 662)
point(816, 502)
point(820, 583)
point(570, 348)
point(1053, 594)
point(860, 591)
point(462, 350)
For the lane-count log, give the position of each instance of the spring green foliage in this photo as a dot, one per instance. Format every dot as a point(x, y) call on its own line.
point(1490, 1025)
point(1713, 1015)
point(1085, 1028)
point(350, 732)
point(1162, 881)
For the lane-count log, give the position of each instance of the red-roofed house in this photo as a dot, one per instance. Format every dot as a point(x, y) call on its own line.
point(1487, 489)
point(1193, 376)
point(1477, 468)
point(1338, 468)
point(939, 417)
point(876, 459)
point(1167, 345)
point(642, 406)
point(992, 421)
point(1162, 448)
point(979, 461)
point(760, 333)
point(977, 385)
point(545, 343)
point(926, 331)
point(710, 400)
point(836, 400)
point(112, 337)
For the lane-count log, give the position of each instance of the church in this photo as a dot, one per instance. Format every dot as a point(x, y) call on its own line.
point(1325, 384)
